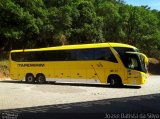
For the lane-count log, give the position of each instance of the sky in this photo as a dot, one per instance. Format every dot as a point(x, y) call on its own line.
point(153, 4)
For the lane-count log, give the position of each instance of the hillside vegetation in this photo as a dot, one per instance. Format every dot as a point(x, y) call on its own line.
point(154, 66)
point(42, 23)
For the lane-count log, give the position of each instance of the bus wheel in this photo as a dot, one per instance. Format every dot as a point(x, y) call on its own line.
point(114, 80)
point(30, 78)
point(40, 78)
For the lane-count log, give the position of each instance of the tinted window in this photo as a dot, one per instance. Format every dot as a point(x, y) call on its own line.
point(85, 54)
point(122, 53)
point(65, 55)
point(40, 56)
point(133, 62)
point(104, 54)
point(60, 55)
point(123, 50)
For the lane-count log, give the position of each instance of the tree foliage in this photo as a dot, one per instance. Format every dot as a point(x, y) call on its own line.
point(42, 23)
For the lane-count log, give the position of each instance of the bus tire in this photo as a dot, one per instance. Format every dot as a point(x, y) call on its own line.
point(30, 78)
point(40, 78)
point(114, 81)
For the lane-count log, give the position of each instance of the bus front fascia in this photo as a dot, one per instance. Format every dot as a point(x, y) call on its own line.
point(144, 58)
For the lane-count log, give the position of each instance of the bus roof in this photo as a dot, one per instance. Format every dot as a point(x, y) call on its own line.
point(79, 46)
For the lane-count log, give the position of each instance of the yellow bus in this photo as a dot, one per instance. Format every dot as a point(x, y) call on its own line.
point(104, 63)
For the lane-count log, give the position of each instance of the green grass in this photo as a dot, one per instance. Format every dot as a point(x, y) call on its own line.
point(4, 68)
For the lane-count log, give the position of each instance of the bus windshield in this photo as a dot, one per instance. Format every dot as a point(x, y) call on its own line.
point(135, 62)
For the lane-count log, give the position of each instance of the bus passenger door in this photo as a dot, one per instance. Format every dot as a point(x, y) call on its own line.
point(96, 73)
point(133, 66)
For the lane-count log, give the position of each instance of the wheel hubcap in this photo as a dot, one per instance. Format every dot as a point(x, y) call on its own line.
point(41, 79)
point(30, 79)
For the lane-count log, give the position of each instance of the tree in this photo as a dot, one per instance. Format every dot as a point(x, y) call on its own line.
point(111, 27)
point(87, 27)
point(43, 23)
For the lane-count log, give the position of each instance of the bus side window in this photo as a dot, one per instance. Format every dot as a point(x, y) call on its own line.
point(85, 54)
point(104, 54)
point(72, 55)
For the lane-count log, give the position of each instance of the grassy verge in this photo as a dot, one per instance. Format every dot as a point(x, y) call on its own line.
point(4, 68)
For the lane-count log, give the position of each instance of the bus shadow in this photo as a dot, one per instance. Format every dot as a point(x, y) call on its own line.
point(146, 105)
point(11, 81)
point(74, 84)
point(95, 85)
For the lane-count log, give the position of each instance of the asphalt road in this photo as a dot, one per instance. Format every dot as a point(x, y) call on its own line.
point(79, 101)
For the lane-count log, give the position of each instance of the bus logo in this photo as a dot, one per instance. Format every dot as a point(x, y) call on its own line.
point(30, 65)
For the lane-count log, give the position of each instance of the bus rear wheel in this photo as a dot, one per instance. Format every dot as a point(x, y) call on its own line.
point(40, 78)
point(30, 78)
